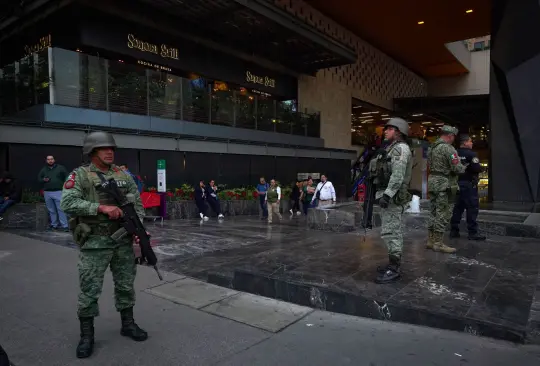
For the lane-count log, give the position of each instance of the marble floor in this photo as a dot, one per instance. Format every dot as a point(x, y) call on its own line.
point(487, 288)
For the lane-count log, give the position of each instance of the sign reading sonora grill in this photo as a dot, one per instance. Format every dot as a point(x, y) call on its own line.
point(162, 50)
point(266, 81)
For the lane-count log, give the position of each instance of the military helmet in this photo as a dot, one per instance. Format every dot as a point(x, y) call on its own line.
point(447, 129)
point(400, 124)
point(96, 140)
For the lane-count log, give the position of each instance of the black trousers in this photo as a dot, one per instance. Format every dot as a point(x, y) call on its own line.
point(201, 206)
point(295, 204)
point(467, 199)
point(214, 205)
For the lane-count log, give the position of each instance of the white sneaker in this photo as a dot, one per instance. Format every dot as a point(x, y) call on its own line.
point(291, 211)
point(201, 215)
point(298, 213)
point(205, 218)
point(1, 218)
point(220, 216)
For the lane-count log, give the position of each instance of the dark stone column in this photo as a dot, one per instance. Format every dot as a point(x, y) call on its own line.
point(515, 101)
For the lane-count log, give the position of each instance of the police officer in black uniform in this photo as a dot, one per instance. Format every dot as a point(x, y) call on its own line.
point(467, 199)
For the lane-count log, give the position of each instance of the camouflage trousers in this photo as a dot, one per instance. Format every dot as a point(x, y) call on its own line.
point(392, 228)
point(440, 207)
point(92, 266)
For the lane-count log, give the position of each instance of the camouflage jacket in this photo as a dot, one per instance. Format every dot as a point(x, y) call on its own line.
point(399, 160)
point(444, 166)
point(81, 199)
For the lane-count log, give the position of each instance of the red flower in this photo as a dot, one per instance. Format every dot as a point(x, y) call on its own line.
point(170, 194)
point(42, 192)
point(230, 194)
point(244, 194)
point(255, 194)
point(191, 195)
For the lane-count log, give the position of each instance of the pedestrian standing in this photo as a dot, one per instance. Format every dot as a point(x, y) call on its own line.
point(391, 170)
point(467, 199)
point(295, 198)
point(325, 194)
point(94, 219)
point(262, 187)
point(308, 192)
point(273, 198)
point(444, 168)
point(52, 178)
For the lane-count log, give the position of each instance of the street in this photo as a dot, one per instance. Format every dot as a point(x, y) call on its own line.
point(39, 325)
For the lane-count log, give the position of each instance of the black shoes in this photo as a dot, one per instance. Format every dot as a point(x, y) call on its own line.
point(129, 329)
point(454, 234)
point(392, 271)
point(86, 344)
point(476, 237)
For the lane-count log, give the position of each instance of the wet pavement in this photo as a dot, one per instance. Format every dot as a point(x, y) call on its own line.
point(487, 288)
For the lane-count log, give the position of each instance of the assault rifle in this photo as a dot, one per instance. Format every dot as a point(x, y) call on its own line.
point(367, 219)
point(131, 224)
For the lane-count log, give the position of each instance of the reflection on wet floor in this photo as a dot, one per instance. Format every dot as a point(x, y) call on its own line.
point(486, 288)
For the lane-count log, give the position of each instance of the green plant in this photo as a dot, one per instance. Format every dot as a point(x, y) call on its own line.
point(29, 196)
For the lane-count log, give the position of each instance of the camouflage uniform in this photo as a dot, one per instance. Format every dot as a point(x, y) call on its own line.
point(98, 250)
point(392, 171)
point(93, 232)
point(444, 167)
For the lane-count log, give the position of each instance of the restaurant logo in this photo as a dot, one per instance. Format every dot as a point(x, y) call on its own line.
point(42, 44)
point(163, 50)
point(266, 81)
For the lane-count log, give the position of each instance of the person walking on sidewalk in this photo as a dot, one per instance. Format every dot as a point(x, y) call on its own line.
point(391, 169)
point(200, 200)
point(52, 177)
point(262, 187)
point(273, 198)
point(94, 219)
point(444, 169)
point(295, 198)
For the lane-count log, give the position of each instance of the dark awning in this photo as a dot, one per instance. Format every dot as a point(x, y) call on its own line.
point(254, 27)
point(463, 110)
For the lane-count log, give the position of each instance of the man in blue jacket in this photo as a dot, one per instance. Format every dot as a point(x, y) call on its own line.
point(262, 187)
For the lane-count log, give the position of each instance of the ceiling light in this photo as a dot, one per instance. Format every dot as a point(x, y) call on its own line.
point(366, 113)
point(421, 22)
point(469, 11)
point(418, 115)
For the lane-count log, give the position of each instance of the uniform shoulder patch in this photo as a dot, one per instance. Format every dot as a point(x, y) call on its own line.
point(70, 182)
point(475, 160)
point(455, 158)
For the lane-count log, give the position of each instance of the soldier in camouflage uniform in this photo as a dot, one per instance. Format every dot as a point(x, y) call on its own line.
point(94, 223)
point(444, 169)
point(391, 169)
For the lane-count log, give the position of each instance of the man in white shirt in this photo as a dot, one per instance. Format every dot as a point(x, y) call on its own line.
point(325, 193)
point(273, 197)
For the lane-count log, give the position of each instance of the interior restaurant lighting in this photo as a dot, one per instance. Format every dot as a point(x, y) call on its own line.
point(469, 11)
point(421, 22)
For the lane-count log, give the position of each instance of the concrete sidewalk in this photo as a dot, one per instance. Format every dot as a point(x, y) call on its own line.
point(194, 323)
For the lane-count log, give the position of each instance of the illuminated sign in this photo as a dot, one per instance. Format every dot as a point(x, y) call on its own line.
point(163, 50)
point(266, 81)
point(43, 44)
point(155, 66)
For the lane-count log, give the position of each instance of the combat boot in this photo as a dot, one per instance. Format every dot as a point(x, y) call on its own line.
point(86, 344)
point(439, 246)
point(429, 244)
point(130, 328)
point(392, 272)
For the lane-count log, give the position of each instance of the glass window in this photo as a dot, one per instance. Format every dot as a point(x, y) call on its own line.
point(127, 88)
point(478, 45)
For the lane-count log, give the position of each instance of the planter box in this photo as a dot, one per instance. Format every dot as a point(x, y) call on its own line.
point(188, 210)
point(32, 216)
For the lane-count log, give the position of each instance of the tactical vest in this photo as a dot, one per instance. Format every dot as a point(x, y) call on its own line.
point(272, 195)
point(90, 184)
point(380, 166)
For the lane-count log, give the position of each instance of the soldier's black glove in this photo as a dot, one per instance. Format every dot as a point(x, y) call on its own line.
point(384, 201)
